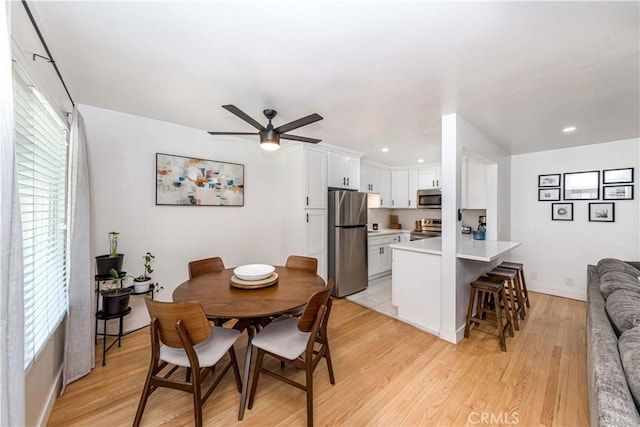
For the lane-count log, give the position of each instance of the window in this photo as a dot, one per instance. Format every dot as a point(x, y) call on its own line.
point(41, 153)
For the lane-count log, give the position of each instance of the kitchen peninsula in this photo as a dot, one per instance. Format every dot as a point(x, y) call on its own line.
point(417, 276)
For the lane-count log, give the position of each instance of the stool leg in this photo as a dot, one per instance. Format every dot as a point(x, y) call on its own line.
point(520, 296)
point(104, 342)
point(498, 311)
point(509, 322)
point(120, 330)
point(467, 326)
point(512, 300)
point(524, 288)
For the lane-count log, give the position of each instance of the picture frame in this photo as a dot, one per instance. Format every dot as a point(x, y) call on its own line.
point(617, 176)
point(581, 185)
point(190, 181)
point(550, 180)
point(602, 212)
point(562, 211)
point(548, 194)
point(617, 192)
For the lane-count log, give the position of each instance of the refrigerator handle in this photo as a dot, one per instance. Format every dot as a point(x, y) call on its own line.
point(307, 217)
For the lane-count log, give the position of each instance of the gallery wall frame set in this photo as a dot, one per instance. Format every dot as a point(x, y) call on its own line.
point(191, 181)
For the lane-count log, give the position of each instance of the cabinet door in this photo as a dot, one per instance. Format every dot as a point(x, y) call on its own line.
point(315, 232)
point(335, 177)
point(400, 189)
point(385, 258)
point(315, 180)
point(374, 253)
point(385, 188)
point(429, 178)
point(413, 188)
point(351, 171)
point(369, 180)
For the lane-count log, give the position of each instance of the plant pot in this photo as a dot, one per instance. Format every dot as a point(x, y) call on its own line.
point(140, 287)
point(115, 300)
point(104, 264)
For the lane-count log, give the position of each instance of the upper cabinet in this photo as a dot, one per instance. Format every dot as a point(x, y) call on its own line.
point(315, 179)
point(344, 171)
point(429, 178)
point(474, 184)
point(369, 179)
point(385, 188)
point(400, 189)
point(413, 188)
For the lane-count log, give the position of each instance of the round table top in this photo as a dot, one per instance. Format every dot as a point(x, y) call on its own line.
point(220, 299)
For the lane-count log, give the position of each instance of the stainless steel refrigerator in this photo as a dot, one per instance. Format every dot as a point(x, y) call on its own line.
point(348, 263)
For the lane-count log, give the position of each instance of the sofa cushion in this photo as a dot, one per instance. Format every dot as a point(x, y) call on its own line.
point(614, 280)
point(623, 308)
point(629, 347)
point(612, 264)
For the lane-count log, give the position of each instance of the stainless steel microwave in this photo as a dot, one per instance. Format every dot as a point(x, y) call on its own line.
point(429, 199)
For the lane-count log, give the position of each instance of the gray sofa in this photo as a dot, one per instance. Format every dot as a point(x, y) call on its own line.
point(613, 342)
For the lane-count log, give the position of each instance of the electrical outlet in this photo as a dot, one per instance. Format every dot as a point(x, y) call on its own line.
point(568, 281)
point(534, 275)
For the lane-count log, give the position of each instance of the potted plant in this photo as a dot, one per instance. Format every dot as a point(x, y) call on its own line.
point(142, 282)
point(115, 299)
point(112, 261)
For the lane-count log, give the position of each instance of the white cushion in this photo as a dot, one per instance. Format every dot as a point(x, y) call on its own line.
point(209, 351)
point(282, 337)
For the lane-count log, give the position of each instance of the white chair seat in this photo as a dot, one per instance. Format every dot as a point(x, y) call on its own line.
point(282, 337)
point(209, 351)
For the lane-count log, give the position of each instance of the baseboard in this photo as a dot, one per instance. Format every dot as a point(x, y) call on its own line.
point(51, 399)
point(577, 295)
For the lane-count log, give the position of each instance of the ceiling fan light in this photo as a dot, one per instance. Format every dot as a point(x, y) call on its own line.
point(269, 139)
point(269, 145)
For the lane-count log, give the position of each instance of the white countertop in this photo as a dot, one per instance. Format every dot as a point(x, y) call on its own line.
point(384, 231)
point(477, 250)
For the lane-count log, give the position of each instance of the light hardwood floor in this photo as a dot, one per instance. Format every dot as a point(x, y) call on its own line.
point(387, 373)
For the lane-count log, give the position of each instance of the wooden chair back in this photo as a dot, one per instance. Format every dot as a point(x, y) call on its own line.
point(203, 266)
point(302, 263)
point(317, 300)
point(168, 314)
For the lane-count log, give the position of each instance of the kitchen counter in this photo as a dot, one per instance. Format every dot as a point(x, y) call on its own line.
point(477, 250)
point(386, 231)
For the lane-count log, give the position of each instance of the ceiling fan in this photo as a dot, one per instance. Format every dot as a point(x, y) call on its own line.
point(270, 136)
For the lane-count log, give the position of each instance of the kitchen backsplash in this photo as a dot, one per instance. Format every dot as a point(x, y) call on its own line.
point(406, 217)
point(470, 217)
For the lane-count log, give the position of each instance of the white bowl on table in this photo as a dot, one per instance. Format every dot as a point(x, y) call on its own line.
point(253, 271)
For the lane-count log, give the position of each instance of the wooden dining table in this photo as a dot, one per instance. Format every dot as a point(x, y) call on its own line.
point(221, 300)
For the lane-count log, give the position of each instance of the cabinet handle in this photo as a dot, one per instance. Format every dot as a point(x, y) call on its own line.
point(433, 183)
point(381, 202)
point(382, 250)
point(307, 200)
point(307, 217)
point(409, 202)
point(347, 182)
point(393, 202)
point(344, 181)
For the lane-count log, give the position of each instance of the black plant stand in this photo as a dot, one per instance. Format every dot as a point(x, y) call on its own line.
point(100, 315)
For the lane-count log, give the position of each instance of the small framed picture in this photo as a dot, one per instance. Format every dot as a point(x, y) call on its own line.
point(562, 211)
point(617, 176)
point(602, 212)
point(548, 194)
point(617, 192)
point(552, 180)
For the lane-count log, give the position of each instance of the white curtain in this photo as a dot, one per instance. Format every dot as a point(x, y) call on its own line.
point(79, 352)
point(12, 376)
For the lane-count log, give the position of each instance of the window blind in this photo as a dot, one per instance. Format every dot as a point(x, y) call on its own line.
point(41, 154)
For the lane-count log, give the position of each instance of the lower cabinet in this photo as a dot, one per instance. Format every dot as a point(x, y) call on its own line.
point(380, 254)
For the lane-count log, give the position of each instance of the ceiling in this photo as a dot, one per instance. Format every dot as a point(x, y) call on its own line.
point(380, 73)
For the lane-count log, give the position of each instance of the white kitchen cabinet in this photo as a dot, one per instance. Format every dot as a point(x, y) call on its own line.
point(474, 184)
point(385, 188)
point(315, 179)
point(380, 254)
point(400, 189)
point(304, 204)
point(344, 171)
point(413, 188)
point(430, 178)
point(369, 179)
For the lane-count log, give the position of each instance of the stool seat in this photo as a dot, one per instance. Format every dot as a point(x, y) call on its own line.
point(519, 267)
point(511, 265)
point(503, 272)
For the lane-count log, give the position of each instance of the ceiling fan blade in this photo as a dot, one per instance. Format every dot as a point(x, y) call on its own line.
point(233, 133)
point(298, 123)
point(244, 116)
point(300, 138)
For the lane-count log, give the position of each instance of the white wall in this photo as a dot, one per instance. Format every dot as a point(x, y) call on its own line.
point(556, 250)
point(122, 150)
point(458, 136)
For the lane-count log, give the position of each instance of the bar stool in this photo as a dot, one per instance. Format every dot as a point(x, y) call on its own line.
point(520, 268)
point(491, 297)
point(515, 293)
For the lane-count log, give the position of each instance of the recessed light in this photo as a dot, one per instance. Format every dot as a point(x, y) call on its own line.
point(569, 129)
point(420, 160)
point(385, 149)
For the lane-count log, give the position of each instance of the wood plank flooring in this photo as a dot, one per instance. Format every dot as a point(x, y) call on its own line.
point(387, 373)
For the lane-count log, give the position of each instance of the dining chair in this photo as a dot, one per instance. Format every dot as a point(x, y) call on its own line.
point(182, 336)
point(302, 263)
point(204, 266)
point(293, 340)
